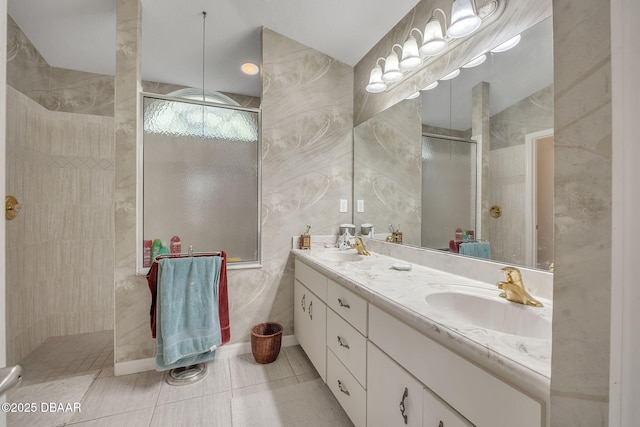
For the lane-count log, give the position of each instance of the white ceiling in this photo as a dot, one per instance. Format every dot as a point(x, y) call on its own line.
point(80, 34)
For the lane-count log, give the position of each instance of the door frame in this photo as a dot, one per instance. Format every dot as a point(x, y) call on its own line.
point(530, 214)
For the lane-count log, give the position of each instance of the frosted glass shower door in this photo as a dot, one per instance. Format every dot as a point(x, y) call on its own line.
point(201, 176)
point(448, 189)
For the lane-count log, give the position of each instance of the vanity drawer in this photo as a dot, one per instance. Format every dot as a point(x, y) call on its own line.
point(479, 396)
point(348, 345)
point(436, 412)
point(347, 390)
point(314, 281)
point(348, 305)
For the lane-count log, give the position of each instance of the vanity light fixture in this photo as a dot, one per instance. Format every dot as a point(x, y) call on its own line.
point(475, 61)
point(433, 42)
point(431, 86)
point(411, 58)
point(414, 95)
point(250, 69)
point(452, 75)
point(509, 44)
point(376, 85)
point(464, 20)
point(392, 71)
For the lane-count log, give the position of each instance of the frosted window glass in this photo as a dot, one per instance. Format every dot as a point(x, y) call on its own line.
point(200, 172)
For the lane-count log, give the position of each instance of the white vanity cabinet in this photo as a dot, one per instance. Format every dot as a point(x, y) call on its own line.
point(477, 395)
point(310, 315)
point(382, 370)
point(394, 397)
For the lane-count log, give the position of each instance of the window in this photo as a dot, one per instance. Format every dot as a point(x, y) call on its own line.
point(201, 177)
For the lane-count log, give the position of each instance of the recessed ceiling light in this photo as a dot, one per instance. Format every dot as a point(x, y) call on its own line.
point(511, 43)
point(451, 75)
point(475, 61)
point(250, 68)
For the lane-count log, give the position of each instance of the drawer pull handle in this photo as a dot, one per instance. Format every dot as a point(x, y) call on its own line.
point(302, 302)
point(343, 388)
point(403, 408)
point(341, 304)
point(310, 314)
point(341, 343)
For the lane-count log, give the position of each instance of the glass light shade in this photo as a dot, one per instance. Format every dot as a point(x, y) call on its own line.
point(451, 75)
point(414, 95)
point(434, 42)
point(392, 71)
point(431, 86)
point(475, 61)
point(509, 44)
point(376, 85)
point(410, 56)
point(464, 20)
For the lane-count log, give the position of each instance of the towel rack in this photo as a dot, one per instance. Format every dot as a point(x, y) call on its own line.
point(187, 254)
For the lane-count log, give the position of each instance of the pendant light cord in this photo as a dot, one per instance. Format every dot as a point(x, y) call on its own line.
point(204, 27)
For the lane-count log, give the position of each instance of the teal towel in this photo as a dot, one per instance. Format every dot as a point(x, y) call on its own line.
point(476, 249)
point(188, 323)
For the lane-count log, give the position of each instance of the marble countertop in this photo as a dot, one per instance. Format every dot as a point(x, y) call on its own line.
point(522, 361)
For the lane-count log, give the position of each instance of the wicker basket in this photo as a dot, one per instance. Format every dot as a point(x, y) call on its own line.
point(265, 341)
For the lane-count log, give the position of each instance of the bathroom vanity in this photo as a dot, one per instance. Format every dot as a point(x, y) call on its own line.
point(420, 347)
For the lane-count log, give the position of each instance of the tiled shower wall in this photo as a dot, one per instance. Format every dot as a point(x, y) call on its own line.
point(60, 156)
point(60, 246)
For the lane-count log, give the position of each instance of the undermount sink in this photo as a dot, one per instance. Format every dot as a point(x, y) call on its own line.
point(493, 313)
point(350, 255)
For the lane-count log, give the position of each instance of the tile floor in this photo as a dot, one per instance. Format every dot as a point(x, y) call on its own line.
point(65, 373)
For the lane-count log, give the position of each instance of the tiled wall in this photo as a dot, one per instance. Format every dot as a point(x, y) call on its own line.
point(60, 246)
point(54, 88)
point(582, 239)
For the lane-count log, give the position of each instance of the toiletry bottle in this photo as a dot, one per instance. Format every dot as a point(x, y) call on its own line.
point(146, 253)
point(155, 249)
point(458, 234)
point(176, 245)
point(163, 249)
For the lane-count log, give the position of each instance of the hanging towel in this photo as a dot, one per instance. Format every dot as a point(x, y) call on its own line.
point(476, 249)
point(187, 318)
point(223, 302)
point(223, 299)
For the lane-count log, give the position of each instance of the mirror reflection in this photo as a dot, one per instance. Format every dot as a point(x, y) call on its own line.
point(471, 158)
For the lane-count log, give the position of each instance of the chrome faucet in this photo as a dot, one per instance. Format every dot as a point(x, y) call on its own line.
point(344, 241)
point(513, 288)
point(359, 246)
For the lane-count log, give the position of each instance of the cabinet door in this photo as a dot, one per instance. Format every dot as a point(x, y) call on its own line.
point(310, 327)
point(437, 413)
point(394, 397)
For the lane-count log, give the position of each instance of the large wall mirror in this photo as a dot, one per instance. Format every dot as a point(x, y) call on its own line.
point(480, 140)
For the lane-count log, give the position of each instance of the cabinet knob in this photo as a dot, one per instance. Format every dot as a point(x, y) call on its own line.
point(403, 408)
point(341, 343)
point(342, 304)
point(343, 388)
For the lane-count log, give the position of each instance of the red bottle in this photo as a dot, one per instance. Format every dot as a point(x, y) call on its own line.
point(175, 246)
